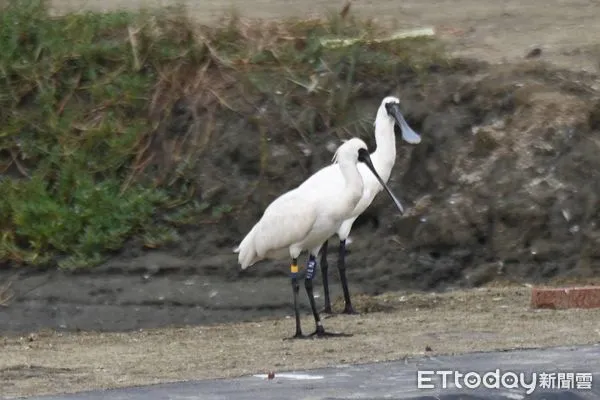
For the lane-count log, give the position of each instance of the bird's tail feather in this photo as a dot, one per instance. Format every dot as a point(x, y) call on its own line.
point(247, 250)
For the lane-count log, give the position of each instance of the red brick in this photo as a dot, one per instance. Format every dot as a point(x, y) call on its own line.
point(567, 297)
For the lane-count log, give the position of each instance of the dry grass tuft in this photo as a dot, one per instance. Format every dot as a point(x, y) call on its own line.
point(113, 111)
point(6, 294)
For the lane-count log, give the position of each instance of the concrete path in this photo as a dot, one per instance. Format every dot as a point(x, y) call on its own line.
point(399, 380)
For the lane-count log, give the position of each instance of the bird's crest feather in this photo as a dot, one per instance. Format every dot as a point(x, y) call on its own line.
point(334, 160)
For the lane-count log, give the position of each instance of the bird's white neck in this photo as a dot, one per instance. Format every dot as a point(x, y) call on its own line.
point(353, 179)
point(384, 155)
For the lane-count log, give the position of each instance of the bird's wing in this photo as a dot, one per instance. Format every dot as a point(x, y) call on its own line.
point(328, 178)
point(287, 220)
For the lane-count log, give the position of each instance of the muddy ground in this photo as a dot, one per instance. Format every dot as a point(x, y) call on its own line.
point(504, 187)
point(406, 325)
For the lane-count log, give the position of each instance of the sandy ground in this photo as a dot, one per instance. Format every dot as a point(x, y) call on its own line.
point(413, 324)
point(480, 320)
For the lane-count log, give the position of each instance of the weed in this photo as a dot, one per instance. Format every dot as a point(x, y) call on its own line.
point(95, 144)
point(6, 295)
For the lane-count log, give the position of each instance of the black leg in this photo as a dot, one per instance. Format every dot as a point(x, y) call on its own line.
point(308, 284)
point(324, 272)
point(296, 290)
point(348, 309)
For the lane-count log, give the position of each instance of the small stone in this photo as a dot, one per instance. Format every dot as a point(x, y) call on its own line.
point(533, 53)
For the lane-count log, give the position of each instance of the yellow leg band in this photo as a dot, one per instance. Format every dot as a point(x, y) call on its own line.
point(294, 269)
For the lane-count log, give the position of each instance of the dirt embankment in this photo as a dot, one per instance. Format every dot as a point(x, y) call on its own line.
point(504, 186)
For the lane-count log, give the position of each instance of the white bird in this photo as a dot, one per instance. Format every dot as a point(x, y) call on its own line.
point(304, 218)
point(383, 159)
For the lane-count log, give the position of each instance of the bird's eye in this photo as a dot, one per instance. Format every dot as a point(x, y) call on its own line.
point(362, 153)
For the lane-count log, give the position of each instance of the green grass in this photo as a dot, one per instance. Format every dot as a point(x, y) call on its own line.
point(85, 97)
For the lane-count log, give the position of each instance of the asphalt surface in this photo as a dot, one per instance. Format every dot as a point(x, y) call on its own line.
point(398, 380)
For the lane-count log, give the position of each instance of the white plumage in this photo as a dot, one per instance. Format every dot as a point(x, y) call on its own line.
point(383, 159)
point(305, 217)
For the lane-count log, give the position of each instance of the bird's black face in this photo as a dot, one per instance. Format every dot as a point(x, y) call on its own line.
point(408, 134)
point(392, 108)
point(363, 155)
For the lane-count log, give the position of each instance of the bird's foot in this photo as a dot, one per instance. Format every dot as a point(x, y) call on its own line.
point(349, 310)
point(327, 312)
point(320, 332)
point(298, 335)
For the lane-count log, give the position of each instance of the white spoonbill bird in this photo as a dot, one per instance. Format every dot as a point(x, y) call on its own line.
point(383, 159)
point(304, 218)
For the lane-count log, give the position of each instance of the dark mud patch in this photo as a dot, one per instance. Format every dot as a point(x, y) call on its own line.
point(504, 186)
point(32, 371)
